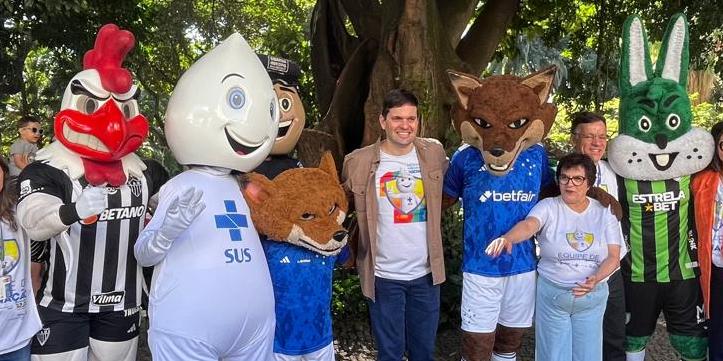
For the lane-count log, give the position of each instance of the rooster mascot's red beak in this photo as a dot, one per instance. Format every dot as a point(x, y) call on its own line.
point(100, 120)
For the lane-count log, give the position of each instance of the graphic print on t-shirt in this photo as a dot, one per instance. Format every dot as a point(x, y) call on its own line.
point(580, 241)
point(9, 255)
point(12, 295)
point(717, 241)
point(405, 193)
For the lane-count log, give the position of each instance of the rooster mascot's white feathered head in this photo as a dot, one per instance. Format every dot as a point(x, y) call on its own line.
point(99, 125)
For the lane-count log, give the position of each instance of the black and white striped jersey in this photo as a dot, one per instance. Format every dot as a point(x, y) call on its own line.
point(91, 266)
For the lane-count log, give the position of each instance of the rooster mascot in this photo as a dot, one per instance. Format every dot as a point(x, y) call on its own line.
point(211, 296)
point(655, 155)
point(87, 192)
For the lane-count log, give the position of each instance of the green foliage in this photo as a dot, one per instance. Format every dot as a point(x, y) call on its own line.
point(347, 301)
point(451, 292)
point(705, 115)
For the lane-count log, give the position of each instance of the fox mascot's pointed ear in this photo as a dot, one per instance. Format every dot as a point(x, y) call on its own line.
point(258, 188)
point(464, 85)
point(541, 82)
point(327, 165)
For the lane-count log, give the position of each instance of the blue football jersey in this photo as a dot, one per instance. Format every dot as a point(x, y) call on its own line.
point(302, 289)
point(494, 204)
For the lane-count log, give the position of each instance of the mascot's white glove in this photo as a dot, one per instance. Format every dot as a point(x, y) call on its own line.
point(181, 213)
point(496, 247)
point(152, 245)
point(91, 201)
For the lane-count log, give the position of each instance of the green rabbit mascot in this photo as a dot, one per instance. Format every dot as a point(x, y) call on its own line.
point(655, 155)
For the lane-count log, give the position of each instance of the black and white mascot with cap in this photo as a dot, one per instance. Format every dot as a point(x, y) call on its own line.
point(284, 74)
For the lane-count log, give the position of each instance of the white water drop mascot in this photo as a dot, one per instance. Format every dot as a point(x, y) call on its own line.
point(211, 297)
point(87, 192)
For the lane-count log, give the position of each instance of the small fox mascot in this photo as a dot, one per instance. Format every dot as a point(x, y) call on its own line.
point(301, 212)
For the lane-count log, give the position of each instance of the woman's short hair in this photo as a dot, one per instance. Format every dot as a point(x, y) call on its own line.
point(578, 160)
point(716, 163)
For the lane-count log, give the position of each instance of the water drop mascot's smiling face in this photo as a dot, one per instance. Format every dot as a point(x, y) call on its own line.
point(222, 117)
point(655, 153)
point(223, 113)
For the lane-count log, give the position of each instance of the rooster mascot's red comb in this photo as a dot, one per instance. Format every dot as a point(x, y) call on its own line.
point(111, 46)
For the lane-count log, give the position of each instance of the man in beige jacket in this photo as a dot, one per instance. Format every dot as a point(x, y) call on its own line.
point(396, 185)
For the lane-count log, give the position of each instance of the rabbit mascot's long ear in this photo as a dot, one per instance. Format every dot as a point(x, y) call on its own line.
point(656, 139)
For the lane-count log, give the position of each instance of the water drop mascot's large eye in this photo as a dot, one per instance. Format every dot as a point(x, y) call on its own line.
point(88, 193)
point(498, 174)
point(211, 296)
point(655, 155)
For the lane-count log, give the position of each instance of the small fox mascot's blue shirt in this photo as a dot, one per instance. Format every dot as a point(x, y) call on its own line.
point(494, 204)
point(302, 289)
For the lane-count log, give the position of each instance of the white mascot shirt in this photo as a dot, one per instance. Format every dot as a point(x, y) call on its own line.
point(213, 284)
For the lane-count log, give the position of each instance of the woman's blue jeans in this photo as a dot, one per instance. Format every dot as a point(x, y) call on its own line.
point(568, 327)
point(22, 354)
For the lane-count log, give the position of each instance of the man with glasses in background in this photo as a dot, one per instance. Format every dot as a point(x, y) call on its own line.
point(589, 137)
point(22, 152)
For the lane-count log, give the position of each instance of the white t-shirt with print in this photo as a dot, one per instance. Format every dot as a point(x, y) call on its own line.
point(402, 252)
point(606, 178)
point(572, 244)
point(717, 241)
point(18, 315)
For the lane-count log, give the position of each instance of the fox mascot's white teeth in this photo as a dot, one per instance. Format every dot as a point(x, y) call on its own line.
point(226, 98)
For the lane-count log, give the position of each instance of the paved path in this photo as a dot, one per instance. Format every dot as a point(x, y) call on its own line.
point(354, 343)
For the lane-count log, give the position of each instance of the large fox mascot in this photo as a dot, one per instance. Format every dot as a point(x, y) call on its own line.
point(499, 175)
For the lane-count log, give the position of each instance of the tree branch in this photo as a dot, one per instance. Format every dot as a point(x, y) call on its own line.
point(364, 16)
point(345, 118)
point(331, 48)
point(455, 16)
point(478, 46)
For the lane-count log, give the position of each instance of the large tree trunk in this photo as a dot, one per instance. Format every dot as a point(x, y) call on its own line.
point(397, 43)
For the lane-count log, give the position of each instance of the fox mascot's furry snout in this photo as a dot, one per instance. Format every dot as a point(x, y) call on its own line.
point(302, 206)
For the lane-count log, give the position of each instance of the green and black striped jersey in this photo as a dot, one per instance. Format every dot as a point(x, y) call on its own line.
point(659, 229)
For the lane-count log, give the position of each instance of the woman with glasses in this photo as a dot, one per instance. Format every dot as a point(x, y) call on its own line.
point(22, 151)
point(708, 195)
point(579, 242)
